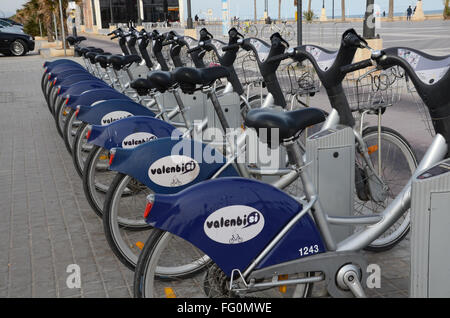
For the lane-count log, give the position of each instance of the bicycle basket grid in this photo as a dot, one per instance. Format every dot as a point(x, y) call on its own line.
point(298, 78)
point(421, 107)
point(247, 69)
point(374, 89)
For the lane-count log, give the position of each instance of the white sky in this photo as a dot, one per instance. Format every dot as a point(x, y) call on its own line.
point(9, 7)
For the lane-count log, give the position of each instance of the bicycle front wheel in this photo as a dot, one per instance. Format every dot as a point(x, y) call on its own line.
point(398, 163)
point(288, 33)
point(252, 31)
point(266, 31)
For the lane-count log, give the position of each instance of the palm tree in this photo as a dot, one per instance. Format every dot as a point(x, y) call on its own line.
point(343, 9)
point(309, 5)
point(46, 9)
point(42, 10)
point(391, 9)
point(254, 8)
point(447, 10)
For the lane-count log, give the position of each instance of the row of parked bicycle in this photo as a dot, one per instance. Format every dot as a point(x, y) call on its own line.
point(191, 227)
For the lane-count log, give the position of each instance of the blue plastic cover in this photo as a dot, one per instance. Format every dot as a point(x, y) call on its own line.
point(80, 87)
point(130, 132)
point(94, 95)
point(233, 219)
point(169, 165)
point(111, 110)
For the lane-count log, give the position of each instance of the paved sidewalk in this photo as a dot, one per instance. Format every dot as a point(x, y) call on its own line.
point(47, 223)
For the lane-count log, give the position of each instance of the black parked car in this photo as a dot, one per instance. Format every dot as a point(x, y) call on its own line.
point(12, 22)
point(15, 43)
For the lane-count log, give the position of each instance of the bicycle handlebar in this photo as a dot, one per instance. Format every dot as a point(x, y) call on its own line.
point(231, 47)
point(168, 43)
point(281, 57)
point(356, 66)
point(194, 49)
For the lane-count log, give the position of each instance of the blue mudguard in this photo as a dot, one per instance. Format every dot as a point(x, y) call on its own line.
point(51, 64)
point(94, 95)
point(169, 165)
point(233, 219)
point(130, 132)
point(64, 68)
point(57, 78)
point(82, 86)
point(73, 78)
point(111, 110)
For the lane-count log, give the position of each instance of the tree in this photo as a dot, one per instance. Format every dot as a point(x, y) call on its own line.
point(447, 10)
point(34, 11)
point(254, 8)
point(309, 5)
point(391, 9)
point(343, 10)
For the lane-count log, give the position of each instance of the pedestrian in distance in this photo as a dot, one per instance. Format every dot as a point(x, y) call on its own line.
point(408, 13)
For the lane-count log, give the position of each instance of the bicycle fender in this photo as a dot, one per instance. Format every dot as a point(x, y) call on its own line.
point(232, 220)
point(82, 86)
point(169, 165)
point(74, 78)
point(48, 65)
point(130, 132)
point(59, 69)
point(111, 110)
point(92, 96)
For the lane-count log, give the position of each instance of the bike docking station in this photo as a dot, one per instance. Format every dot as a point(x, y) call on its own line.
point(230, 104)
point(194, 104)
point(430, 235)
point(330, 158)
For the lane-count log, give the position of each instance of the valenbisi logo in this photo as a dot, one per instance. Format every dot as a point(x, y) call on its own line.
point(174, 171)
point(234, 224)
point(114, 116)
point(136, 139)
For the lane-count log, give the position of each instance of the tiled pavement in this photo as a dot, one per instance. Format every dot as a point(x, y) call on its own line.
point(46, 223)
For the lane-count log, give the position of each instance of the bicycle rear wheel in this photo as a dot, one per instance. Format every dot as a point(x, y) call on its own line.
point(123, 222)
point(97, 178)
point(199, 278)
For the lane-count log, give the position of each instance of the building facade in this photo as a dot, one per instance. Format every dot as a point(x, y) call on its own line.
point(100, 14)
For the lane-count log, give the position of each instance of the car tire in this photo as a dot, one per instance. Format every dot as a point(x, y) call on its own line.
point(18, 48)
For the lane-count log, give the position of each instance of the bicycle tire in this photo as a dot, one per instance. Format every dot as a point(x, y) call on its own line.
point(112, 226)
point(147, 266)
point(383, 244)
point(60, 117)
point(266, 31)
point(78, 150)
point(288, 33)
point(252, 31)
point(43, 81)
point(67, 131)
